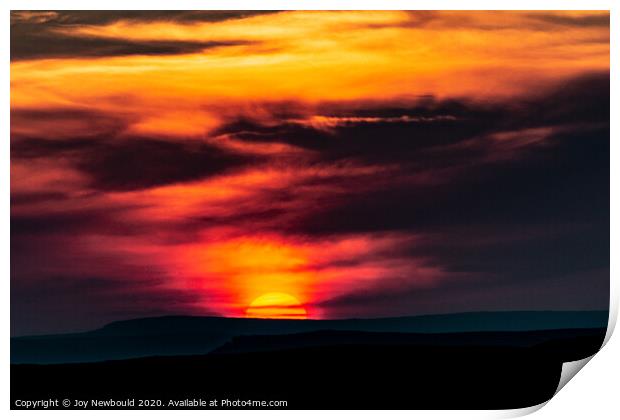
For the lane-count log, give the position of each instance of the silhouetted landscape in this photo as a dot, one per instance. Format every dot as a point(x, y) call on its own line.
point(508, 362)
point(184, 335)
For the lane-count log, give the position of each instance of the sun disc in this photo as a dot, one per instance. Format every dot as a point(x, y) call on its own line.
point(276, 305)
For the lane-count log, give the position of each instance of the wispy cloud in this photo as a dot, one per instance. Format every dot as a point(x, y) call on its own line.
point(367, 163)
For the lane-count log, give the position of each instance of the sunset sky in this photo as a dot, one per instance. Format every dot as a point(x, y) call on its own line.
point(363, 164)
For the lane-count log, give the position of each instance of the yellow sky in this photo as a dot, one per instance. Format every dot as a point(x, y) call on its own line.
point(311, 57)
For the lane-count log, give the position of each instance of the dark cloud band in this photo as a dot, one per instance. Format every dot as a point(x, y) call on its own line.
point(34, 35)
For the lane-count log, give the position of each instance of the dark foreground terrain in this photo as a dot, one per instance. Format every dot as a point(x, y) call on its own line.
point(188, 335)
point(330, 370)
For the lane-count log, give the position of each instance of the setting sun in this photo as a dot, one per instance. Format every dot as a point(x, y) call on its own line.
point(276, 305)
point(304, 164)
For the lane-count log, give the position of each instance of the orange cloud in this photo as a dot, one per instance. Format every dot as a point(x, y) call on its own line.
point(231, 273)
point(318, 139)
point(314, 57)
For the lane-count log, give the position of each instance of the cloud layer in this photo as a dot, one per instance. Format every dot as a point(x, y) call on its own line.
point(366, 163)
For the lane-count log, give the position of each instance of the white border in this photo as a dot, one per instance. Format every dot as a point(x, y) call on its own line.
point(593, 394)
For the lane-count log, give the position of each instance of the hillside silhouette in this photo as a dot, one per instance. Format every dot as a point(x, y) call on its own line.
point(185, 335)
point(334, 370)
point(460, 361)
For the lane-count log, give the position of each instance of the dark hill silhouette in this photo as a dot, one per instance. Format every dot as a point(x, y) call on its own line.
point(334, 370)
point(459, 322)
point(563, 341)
point(184, 335)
